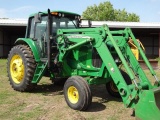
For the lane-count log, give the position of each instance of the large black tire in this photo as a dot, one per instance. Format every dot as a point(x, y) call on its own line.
point(21, 67)
point(77, 93)
point(111, 87)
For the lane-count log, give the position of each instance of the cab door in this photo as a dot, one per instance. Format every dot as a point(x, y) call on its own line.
point(38, 32)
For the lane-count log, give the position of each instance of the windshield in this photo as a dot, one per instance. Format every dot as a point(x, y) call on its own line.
point(63, 23)
point(40, 29)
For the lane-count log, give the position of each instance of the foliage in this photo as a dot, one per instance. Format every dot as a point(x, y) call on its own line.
point(105, 12)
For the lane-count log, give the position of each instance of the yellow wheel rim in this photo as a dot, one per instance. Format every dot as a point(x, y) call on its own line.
point(17, 69)
point(113, 87)
point(73, 95)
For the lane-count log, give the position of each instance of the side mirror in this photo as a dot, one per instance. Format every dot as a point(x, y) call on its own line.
point(37, 18)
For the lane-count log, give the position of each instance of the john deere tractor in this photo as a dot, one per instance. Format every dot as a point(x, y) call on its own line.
point(56, 46)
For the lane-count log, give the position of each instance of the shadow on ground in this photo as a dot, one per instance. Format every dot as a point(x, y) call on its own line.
point(48, 89)
point(99, 93)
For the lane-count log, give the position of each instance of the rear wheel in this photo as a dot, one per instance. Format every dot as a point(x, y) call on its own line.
point(112, 88)
point(21, 67)
point(77, 93)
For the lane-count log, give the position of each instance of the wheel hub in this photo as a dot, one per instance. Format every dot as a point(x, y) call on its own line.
point(17, 69)
point(73, 94)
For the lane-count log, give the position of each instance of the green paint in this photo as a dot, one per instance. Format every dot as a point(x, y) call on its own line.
point(75, 56)
point(109, 45)
point(32, 44)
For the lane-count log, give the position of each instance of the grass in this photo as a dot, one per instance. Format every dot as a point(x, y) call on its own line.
point(3, 67)
point(47, 102)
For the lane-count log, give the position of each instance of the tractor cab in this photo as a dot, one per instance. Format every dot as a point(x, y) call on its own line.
point(39, 22)
point(42, 28)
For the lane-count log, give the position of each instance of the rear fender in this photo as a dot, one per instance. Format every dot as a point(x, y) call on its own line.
point(31, 44)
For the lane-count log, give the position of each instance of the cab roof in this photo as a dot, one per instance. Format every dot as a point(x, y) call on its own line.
point(56, 11)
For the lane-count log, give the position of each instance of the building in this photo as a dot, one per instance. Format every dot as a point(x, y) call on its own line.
point(10, 30)
point(148, 33)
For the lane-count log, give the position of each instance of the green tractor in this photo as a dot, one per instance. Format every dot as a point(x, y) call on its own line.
point(56, 46)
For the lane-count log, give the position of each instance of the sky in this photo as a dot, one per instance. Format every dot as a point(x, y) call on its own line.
point(148, 10)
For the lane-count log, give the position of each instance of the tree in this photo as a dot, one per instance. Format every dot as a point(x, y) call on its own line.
point(122, 15)
point(105, 12)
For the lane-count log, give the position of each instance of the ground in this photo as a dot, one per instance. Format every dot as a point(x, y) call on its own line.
point(47, 102)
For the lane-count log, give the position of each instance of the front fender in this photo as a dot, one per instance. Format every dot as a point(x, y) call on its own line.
point(32, 45)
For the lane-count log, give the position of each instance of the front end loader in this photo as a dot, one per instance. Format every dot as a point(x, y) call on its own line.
point(56, 46)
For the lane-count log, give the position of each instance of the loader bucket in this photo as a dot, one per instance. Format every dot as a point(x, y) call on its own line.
point(148, 106)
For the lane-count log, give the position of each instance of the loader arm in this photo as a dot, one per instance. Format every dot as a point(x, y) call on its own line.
point(102, 39)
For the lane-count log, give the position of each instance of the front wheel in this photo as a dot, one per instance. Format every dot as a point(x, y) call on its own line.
point(77, 93)
point(20, 67)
